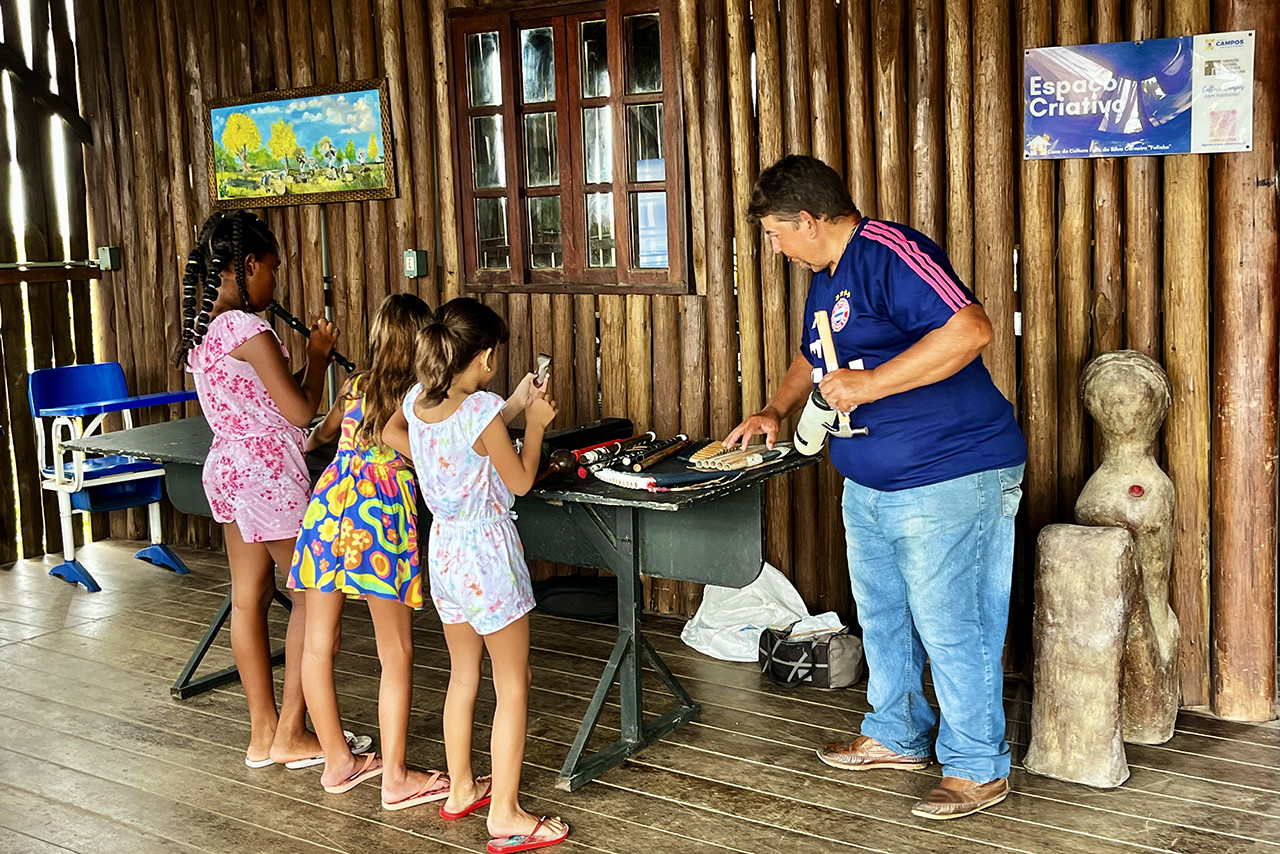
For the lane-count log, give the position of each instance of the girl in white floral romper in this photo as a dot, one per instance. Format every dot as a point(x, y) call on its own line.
point(467, 472)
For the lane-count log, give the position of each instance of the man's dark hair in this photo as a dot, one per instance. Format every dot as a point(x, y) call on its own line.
point(797, 183)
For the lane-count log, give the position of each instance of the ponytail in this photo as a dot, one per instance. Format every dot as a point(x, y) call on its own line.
point(462, 329)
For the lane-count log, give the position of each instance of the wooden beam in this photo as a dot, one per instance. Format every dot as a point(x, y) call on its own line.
point(1108, 224)
point(586, 375)
point(1246, 276)
point(1075, 235)
point(35, 88)
point(613, 355)
point(721, 307)
point(35, 275)
point(889, 82)
point(745, 235)
point(376, 270)
point(994, 224)
point(926, 111)
point(1142, 214)
point(797, 121)
point(959, 138)
point(1186, 360)
point(450, 258)
point(402, 232)
point(324, 35)
point(422, 142)
point(691, 81)
point(773, 284)
point(1037, 277)
point(824, 74)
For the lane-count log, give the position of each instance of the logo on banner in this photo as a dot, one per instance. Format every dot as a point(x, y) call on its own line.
point(840, 314)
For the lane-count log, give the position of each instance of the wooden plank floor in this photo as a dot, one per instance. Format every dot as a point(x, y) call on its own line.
point(95, 756)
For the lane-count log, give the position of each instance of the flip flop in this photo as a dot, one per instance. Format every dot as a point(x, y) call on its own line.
point(432, 791)
point(364, 772)
point(482, 801)
point(511, 844)
point(259, 763)
point(357, 743)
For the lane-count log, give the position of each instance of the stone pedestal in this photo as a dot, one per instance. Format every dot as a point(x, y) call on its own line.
point(1086, 584)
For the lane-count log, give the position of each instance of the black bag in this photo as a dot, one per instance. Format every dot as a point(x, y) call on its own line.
point(828, 660)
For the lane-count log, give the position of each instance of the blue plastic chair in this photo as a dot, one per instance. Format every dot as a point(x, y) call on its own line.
point(69, 395)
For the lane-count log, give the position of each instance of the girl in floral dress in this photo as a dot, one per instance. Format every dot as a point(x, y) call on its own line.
point(254, 477)
point(468, 470)
point(359, 539)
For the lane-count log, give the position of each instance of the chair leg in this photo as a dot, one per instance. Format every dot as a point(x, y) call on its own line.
point(65, 514)
point(71, 569)
point(158, 553)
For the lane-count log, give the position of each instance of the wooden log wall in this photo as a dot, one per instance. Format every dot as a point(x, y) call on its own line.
point(45, 320)
point(915, 102)
point(1246, 265)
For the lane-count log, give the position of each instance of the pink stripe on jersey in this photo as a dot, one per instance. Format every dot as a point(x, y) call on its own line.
point(924, 266)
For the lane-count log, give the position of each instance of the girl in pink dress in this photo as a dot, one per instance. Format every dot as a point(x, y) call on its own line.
point(467, 472)
point(254, 477)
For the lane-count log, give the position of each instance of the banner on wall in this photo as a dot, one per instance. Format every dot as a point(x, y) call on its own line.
point(1192, 94)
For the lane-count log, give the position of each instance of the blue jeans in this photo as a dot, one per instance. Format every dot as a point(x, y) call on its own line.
point(931, 569)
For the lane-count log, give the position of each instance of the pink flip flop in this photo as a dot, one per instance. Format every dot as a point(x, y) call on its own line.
point(482, 801)
point(364, 772)
point(432, 791)
point(512, 844)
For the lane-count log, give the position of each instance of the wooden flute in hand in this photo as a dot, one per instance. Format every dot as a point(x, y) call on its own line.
point(298, 326)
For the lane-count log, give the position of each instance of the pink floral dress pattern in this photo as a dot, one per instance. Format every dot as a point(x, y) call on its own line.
point(475, 559)
point(255, 474)
point(360, 533)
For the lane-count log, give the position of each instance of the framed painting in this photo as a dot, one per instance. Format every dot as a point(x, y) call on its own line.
point(301, 146)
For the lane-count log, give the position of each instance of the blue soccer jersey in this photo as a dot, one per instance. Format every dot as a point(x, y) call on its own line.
point(892, 287)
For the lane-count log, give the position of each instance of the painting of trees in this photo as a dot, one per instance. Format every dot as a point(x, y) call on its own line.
point(304, 148)
point(283, 141)
point(240, 137)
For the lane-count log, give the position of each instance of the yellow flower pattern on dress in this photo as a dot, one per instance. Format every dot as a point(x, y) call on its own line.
point(360, 532)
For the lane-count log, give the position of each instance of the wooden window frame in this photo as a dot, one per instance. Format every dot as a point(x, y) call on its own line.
point(574, 276)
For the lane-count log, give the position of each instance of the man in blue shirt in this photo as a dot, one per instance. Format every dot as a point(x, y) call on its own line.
point(930, 492)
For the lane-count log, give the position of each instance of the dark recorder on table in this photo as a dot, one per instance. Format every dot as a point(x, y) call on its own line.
point(608, 451)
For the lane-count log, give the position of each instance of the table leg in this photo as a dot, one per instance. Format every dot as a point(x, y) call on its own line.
point(186, 687)
point(621, 550)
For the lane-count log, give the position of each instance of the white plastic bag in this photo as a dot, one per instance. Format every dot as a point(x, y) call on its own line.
point(729, 621)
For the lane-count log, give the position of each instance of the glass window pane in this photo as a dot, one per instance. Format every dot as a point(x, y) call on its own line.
point(538, 65)
point(597, 144)
point(493, 249)
point(541, 163)
point(600, 230)
point(484, 72)
point(644, 143)
point(649, 229)
point(489, 157)
point(644, 53)
point(545, 247)
point(595, 60)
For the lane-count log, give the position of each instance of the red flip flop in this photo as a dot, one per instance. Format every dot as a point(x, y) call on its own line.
point(482, 801)
point(512, 844)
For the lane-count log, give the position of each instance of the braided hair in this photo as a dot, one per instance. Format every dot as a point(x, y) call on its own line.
point(224, 242)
